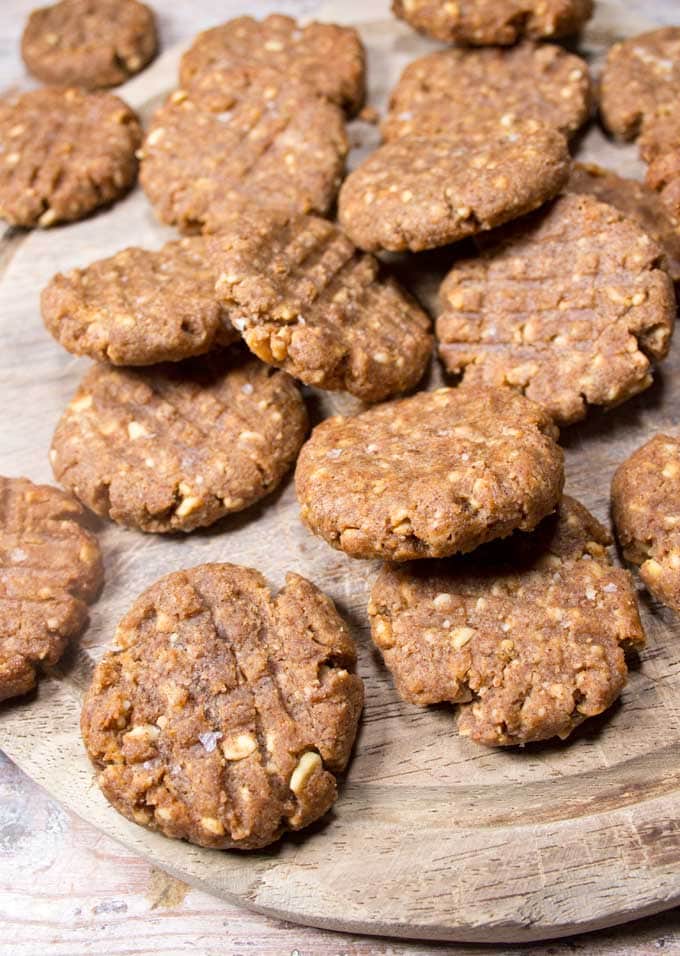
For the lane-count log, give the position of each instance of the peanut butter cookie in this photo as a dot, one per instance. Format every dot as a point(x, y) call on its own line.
point(637, 202)
point(50, 567)
point(176, 447)
point(65, 152)
point(527, 635)
point(328, 58)
point(646, 511)
point(660, 148)
point(432, 475)
point(139, 307)
point(308, 302)
point(494, 22)
point(422, 192)
point(641, 76)
point(569, 306)
point(89, 43)
point(457, 92)
point(242, 138)
point(223, 711)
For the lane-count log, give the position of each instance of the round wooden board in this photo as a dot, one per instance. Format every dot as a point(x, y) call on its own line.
point(433, 837)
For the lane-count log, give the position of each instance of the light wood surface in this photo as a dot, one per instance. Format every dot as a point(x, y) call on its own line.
point(432, 836)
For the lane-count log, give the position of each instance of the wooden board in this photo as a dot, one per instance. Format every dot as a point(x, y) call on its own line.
point(433, 837)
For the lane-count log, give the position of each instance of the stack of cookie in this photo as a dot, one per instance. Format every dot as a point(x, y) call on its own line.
point(222, 712)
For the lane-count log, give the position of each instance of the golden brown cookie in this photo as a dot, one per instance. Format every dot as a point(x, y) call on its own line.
point(307, 301)
point(429, 476)
point(89, 43)
point(637, 202)
point(139, 307)
point(224, 711)
point(641, 76)
point(245, 137)
point(659, 146)
point(646, 511)
point(458, 92)
point(65, 153)
point(327, 57)
point(422, 192)
point(50, 568)
point(569, 306)
point(527, 635)
point(494, 22)
point(176, 447)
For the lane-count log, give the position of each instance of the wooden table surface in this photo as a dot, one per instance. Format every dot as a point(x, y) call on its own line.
point(67, 890)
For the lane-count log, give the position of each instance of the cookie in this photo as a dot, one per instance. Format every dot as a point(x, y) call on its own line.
point(457, 92)
point(89, 43)
point(429, 476)
point(527, 635)
point(646, 512)
point(637, 202)
point(641, 75)
point(328, 58)
point(494, 22)
point(176, 447)
point(422, 192)
point(248, 137)
point(569, 306)
point(139, 307)
point(50, 568)
point(65, 153)
point(223, 712)
point(660, 148)
point(308, 302)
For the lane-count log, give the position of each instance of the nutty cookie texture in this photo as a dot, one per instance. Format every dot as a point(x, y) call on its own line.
point(50, 567)
point(328, 58)
point(432, 475)
point(65, 153)
point(242, 138)
point(646, 511)
point(422, 192)
point(494, 22)
point(637, 202)
point(308, 302)
point(176, 447)
point(224, 711)
point(457, 92)
point(569, 307)
point(139, 307)
point(89, 43)
point(528, 635)
point(640, 77)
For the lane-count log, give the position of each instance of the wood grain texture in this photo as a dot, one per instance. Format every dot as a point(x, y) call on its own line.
point(432, 837)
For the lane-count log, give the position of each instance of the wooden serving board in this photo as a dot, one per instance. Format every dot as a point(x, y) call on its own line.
point(433, 836)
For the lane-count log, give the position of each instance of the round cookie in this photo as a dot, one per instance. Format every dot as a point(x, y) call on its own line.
point(422, 192)
point(176, 447)
point(139, 307)
point(328, 58)
point(569, 307)
point(308, 302)
point(50, 567)
point(65, 153)
point(527, 635)
point(89, 43)
point(494, 22)
point(247, 137)
point(641, 75)
point(223, 712)
point(660, 147)
point(646, 512)
point(429, 476)
point(637, 202)
point(457, 92)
